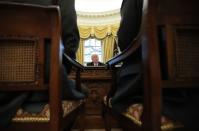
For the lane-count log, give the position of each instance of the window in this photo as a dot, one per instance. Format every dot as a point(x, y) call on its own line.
point(92, 46)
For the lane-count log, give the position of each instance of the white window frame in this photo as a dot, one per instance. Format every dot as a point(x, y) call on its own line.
point(94, 44)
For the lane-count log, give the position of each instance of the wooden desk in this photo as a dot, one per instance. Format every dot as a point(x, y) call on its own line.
point(98, 81)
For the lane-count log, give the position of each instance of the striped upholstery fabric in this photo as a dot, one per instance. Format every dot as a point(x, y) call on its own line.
point(134, 113)
point(44, 115)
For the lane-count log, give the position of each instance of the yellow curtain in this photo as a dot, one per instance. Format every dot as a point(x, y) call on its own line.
point(80, 52)
point(106, 33)
point(114, 29)
point(85, 31)
point(108, 47)
point(99, 32)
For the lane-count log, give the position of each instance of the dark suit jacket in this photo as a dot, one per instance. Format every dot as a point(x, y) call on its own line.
point(70, 33)
point(129, 76)
point(92, 64)
point(131, 11)
point(181, 105)
point(10, 102)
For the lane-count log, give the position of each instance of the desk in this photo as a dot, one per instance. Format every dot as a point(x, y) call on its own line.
point(98, 81)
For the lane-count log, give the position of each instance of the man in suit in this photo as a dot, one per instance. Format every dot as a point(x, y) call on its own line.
point(180, 105)
point(34, 101)
point(95, 61)
point(129, 85)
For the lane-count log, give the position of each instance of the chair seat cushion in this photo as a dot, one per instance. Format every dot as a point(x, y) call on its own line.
point(44, 116)
point(134, 113)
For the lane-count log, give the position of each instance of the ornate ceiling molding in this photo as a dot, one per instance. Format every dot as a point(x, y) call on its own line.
point(98, 18)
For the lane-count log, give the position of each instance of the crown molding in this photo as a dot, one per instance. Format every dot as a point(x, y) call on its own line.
point(98, 18)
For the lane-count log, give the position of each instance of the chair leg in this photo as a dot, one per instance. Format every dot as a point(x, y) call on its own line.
point(82, 119)
point(106, 119)
point(107, 123)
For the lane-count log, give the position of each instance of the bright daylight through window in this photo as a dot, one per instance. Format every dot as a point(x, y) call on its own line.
point(92, 46)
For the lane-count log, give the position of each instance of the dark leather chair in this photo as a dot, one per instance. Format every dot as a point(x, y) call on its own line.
point(25, 33)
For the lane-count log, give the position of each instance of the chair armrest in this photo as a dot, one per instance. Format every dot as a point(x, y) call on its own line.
point(135, 44)
point(74, 62)
point(79, 68)
point(124, 54)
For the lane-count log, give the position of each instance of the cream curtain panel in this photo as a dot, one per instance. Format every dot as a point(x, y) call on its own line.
point(106, 34)
point(108, 47)
point(80, 52)
point(99, 32)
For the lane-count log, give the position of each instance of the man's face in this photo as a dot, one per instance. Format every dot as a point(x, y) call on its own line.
point(95, 58)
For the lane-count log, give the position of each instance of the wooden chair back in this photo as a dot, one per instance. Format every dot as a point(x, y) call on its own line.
point(170, 53)
point(178, 30)
point(29, 35)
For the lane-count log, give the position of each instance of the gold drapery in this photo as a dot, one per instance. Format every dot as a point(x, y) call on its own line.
point(80, 52)
point(105, 33)
point(99, 32)
point(108, 47)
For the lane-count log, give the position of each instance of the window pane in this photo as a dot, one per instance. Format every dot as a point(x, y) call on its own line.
point(87, 43)
point(100, 57)
point(92, 46)
point(98, 43)
point(87, 58)
point(88, 50)
point(98, 49)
